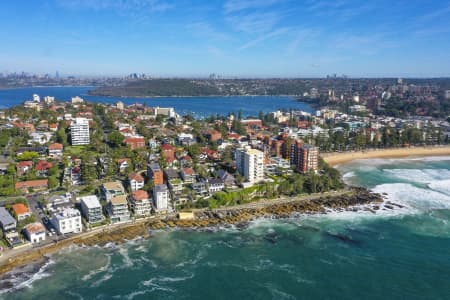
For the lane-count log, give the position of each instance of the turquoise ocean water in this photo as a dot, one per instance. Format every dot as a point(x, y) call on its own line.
point(402, 253)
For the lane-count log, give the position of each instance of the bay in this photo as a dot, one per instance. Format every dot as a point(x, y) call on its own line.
point(197, 106)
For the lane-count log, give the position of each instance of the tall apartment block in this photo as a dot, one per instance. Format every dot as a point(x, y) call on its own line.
point(79, 131)
point(250, 164)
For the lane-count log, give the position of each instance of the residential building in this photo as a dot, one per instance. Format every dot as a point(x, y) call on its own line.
point(77, 100)
point(161, 197)
point(55, 150)
point(250, 164)
point(7, 222)
point(308, 159)
point(35, 232)
point(136, 181)
point(168, 152)
point(200, 188)
point(34, 185)
point(91, 208)
point(79, 131)
point(24, 167)
point(67, 220)
point(140, 203)
point(118, 209)
point(155, 173)
point(112, 189)
point(123, 164)
point(21, 211)
point(188, 175)
point(42, 167)
point(226, 177)
point(135, 142)
point(215, 185)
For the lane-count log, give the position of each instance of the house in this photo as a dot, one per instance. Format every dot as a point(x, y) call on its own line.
point(7, 222)
point(161, 197)
point(175, 185)
point(123, 164)
point(91, 208)
point(112, 189)
point(215, 185)
point(226, 177)
point(135, 142)
point(55, 150)
point(188, 175)
point(136, 181)
point(200, 188)
point(35, 232)
point(155, 173)
point(53, 127)
point(42, 167)
point(35, 185)
point(168, 152)
point(24, 167)
point(140, 203)
point(171, 174)
point(67, 220)
point(213, 135)
point(21, 211)
point(118, 209)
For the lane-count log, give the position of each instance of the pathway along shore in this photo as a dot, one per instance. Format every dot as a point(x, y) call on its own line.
point(276, 208)
point(336, 158)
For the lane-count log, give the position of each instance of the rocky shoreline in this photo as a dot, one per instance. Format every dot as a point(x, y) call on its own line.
point(203, 219)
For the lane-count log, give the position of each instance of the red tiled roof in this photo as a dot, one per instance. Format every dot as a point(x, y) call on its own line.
point(55, 146)
point(35, 227)
point(20, 209)
point(140, 195)
point(43, 165)
point(26, 163)
point(122, 160)
point(136, 177)
point(188, 171)
point(32, 184)
point(167, 147)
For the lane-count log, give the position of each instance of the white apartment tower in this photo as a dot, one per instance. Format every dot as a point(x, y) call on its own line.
point(250, 164)
point(79, 130)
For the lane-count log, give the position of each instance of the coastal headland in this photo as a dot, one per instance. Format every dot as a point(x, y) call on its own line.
point(204, 218)
point(337, 158)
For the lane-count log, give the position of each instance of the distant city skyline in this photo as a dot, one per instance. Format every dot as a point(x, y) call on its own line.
point(231, 38)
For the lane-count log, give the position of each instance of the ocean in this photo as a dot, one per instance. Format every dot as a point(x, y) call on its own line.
point(403, 253)
point(199, 107)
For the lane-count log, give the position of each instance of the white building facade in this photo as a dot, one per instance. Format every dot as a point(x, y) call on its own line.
point(67, 220)
point(250, 164)
point(161, 197)
point(79, 131)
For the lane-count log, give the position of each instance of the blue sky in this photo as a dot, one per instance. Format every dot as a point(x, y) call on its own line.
point(247, 38)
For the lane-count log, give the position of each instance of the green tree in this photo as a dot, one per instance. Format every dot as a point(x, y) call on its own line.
point(116, 139)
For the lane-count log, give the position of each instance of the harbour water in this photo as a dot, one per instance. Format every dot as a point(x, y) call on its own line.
point(197, 106)
point(399, 253)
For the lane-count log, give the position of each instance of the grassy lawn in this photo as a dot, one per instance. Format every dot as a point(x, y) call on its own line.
point(75, 150)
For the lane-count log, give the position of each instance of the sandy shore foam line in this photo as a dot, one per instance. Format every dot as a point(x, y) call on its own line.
point(344, 157)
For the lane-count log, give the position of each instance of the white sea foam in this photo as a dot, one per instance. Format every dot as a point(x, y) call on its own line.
point(42, 273)
point(442, 186)
point(414, 197)
point(104, 278)
point(105, 268)
point(419, 176)
point(127, 261)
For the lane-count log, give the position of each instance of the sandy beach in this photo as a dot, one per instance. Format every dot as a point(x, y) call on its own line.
point(339, 158)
